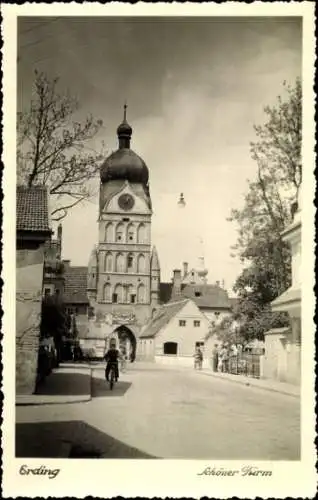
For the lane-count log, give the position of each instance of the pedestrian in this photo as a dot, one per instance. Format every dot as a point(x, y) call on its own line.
point(122, 358)
point(215, 356)
point(198, 358)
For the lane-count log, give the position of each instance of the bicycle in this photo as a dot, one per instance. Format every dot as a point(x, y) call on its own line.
point(112, 376)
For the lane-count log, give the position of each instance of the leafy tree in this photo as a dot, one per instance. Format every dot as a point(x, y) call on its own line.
point(268, 208)
point(53, 149)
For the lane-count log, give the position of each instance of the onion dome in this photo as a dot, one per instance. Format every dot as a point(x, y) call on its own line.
point(124, 164)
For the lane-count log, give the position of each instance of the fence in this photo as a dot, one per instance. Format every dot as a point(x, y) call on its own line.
point(244, 364)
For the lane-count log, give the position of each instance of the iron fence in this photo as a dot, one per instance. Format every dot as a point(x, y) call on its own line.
point(244, 364)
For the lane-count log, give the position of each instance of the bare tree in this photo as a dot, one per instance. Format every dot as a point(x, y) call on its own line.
point(54, 150)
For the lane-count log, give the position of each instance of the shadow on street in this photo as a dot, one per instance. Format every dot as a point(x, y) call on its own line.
point(61, 384)
point(100, 388)
point(71, 439)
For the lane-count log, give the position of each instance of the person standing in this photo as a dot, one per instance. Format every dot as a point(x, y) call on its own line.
point(215, 355)
point(198, 358)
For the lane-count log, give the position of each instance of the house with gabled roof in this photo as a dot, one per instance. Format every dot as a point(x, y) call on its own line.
point(32, 232)
point(211, 299)
point(173, 333)
point(75, 297)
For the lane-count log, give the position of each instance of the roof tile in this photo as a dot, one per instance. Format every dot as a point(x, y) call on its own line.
point(162, 317)
point(32, 208)
point(75, 285)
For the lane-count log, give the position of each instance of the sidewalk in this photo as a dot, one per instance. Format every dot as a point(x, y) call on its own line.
point(268, 385)
point(69, 383)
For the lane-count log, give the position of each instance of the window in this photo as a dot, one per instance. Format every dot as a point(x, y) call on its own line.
point(217, 314)
point(47, 292)
point(182, 322)
point(133, 298)
point(199, 344)
point(120, 232)
point(141, 264)
point(119, 292)
point(196, 323)
point(197, 294)
point(130, 236)
point(107, 292)
point(130, 261)
point(108, 262)
point(120, 263)
point(109, 232)
point(170, 348)
point(115, 297)
point(141, 234)
point(141, 293)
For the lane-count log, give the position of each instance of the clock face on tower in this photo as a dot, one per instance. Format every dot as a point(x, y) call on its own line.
point(126, 201)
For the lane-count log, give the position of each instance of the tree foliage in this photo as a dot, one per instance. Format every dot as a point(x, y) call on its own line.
point(53, 149)
point(268, 208)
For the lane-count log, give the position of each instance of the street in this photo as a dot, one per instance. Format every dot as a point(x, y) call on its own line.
point(164, 412)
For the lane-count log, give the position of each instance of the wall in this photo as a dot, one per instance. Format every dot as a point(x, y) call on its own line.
point(29, 280)
point(186, 336)
point(275, 361)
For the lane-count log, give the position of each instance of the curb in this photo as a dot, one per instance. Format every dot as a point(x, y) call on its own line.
point(250, 383)
point(43, 400)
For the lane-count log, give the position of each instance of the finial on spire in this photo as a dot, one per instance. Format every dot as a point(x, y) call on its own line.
point(125, 111)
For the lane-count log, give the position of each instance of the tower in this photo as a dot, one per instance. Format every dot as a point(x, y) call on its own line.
point(123, 254)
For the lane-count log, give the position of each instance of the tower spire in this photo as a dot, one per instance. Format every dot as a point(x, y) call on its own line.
point(124, 131)
point(125, 111)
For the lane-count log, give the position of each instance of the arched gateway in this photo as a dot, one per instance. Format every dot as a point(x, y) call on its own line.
point(124, 338)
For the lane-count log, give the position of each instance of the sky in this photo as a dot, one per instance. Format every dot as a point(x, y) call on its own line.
point(194, 87)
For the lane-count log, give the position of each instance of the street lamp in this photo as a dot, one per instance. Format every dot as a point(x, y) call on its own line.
point(181, 202)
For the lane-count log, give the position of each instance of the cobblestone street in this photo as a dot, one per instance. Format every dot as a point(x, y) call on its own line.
point(160, 412)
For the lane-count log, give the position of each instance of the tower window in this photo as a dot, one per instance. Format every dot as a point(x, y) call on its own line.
point(182, 322)
point(130, 261)
point(196, 323)
point(115, 298)
point(133, 298)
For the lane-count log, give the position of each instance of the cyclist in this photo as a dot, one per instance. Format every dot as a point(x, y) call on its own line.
point(111, 358)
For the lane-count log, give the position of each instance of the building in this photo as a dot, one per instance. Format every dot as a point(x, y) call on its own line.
point(173, 333)
point(211, 299)
point(75, 298)
point(53, 283)
point(32, 233)
point(123, 271)
point(283, 346)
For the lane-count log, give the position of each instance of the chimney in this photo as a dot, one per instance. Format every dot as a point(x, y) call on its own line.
point(176, 289)
point(66, 263)
point(59, 232)
point(185, 268)
point(59, 240)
